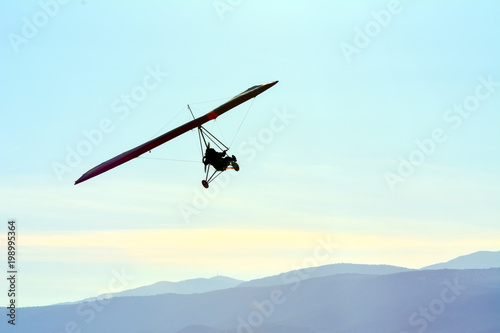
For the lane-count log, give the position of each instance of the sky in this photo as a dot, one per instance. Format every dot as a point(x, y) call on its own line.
point(379, 144)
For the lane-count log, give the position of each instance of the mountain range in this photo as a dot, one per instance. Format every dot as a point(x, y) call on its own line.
point(333, 298)
point(190, 286)
point(478, 260)
point(481, 259)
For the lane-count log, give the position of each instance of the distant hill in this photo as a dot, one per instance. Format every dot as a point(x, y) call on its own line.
point(477, 260)
point(326, 270)
point(452, 301)
point(190, 286)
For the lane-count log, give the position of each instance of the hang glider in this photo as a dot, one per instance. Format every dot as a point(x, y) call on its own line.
point(218, 160)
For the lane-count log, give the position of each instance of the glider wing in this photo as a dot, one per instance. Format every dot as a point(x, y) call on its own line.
point(145, 147)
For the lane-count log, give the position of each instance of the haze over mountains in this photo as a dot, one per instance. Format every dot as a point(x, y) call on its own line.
point(333, 298)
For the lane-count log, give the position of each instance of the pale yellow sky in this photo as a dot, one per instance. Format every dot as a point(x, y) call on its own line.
point(246, 250)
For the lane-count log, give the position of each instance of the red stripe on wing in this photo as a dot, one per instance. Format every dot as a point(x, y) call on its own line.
point(212, 115)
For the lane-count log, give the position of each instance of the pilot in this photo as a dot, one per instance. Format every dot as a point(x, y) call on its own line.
point(219, 160)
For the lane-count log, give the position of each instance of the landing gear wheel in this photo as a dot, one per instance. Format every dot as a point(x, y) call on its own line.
point(204, 183)
point(235, 165)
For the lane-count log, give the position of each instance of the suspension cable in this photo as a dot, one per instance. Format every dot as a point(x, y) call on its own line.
point(213, 100)
point(212, 138)
point(167, 159)
point(189, 108)
point(200, 136)
point(246, 113)
point(161, 130)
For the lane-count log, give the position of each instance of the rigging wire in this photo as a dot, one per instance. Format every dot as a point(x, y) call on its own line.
point(172, 119)
point(181, 110)
point(220, 130)
point(253, 99)
point(205, 133)
point(161, 130)
point(200, 135)
point(201, 131)
point(213, 100)
point(189, 108)
point(167, 159)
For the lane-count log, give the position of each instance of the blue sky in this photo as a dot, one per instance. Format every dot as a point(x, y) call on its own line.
point(387, 150)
